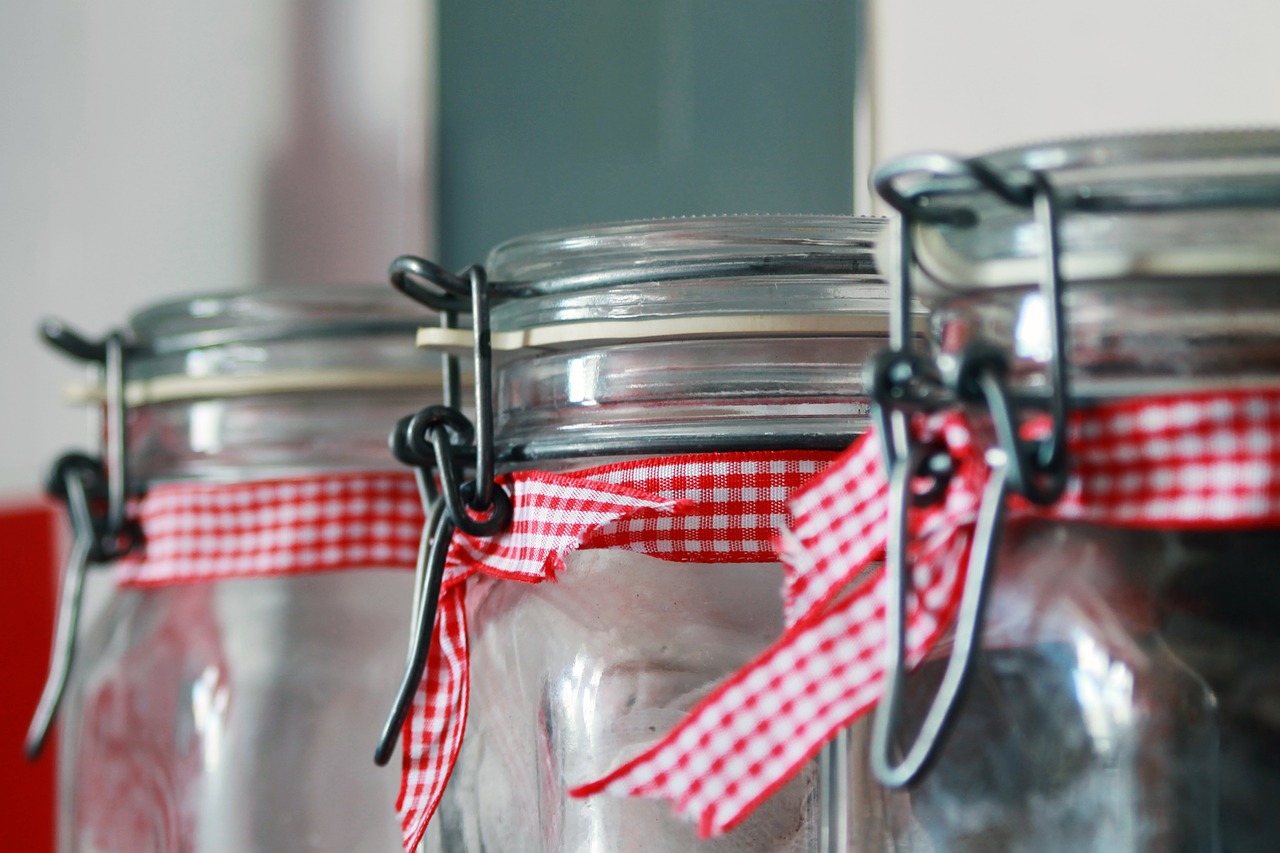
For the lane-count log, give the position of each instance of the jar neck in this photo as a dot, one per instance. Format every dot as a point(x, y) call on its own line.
point(261, 437)
point(1131, 337)
point(676, 397)
point(271, 383)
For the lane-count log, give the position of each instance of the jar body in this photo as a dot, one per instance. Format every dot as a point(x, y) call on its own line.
point(1123, 696)
point(1122, 701)
point(569, 679)
point(235, 715)
point(1125, 674)
point(234, 709)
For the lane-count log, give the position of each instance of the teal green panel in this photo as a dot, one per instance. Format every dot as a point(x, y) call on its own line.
point(566, 113)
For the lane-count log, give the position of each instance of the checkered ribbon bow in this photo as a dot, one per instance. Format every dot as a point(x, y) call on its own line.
point(1205, 462)
point(706, 508)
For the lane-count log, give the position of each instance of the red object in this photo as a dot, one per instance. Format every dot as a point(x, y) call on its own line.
point(29, 530)
point(709, 508)
point(212, 531)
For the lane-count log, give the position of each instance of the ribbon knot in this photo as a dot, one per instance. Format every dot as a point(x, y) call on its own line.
point(703, 508)
point(552, 515)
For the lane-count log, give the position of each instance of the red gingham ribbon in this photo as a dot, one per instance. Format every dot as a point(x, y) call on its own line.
point(712, 508)
point(209, 531)
point(1209, 461)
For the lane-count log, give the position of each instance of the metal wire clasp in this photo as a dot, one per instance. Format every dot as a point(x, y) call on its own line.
point(441, 442)
point(902, 381)
point(96, 496)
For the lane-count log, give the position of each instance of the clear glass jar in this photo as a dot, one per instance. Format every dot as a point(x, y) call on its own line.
point(239, 714)
point(1125, 696)
point(676, 337)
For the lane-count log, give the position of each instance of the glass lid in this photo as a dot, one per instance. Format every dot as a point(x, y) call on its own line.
point(275, 340)
point(688, 267)
point(1159, 204)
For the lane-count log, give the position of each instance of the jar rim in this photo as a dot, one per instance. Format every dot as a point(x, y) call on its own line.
point(1118, 150)
point(609, 254)
point(697, 266)
point(269, 314)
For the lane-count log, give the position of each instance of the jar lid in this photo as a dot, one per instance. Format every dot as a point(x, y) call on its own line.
point(279, 340)
point(1151, 205)
point(656, 337)
point(713, 276)
point(694, 247)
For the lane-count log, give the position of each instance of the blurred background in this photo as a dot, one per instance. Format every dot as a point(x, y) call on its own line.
point(150, 150)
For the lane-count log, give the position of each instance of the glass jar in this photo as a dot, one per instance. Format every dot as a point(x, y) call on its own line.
point(1125, 694)
point(223, 711)
point(737, 339)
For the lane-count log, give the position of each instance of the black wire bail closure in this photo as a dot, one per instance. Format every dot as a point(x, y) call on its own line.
point(95, 494)
point(440, 441)
point(902, 381)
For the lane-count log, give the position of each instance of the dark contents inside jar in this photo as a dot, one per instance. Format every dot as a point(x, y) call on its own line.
point(1127, 698)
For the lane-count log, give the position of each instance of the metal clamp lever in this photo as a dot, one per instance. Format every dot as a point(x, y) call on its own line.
point(1037, 470)
point(96, 497)
point(968, 626)
point(111, 353)
point(424, 441)
point(437, 534)
point(981, 375)
point(437, 441)
point(901, 380)
point(81, 482)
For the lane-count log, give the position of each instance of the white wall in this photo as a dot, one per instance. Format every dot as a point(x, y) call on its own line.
point(969, 77)
point(150, 148)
